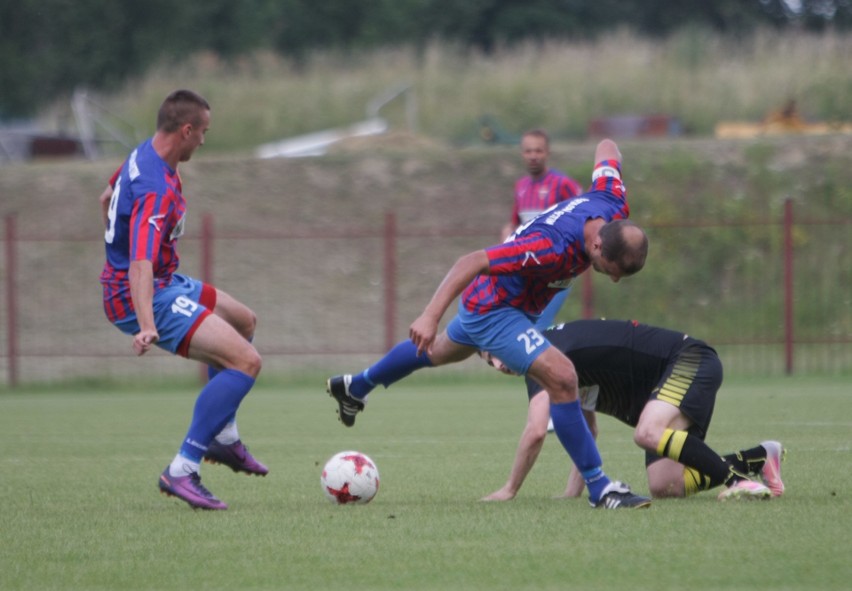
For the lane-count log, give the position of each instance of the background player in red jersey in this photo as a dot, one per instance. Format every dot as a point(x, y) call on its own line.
point(542, 186)
point(538, 190)
point(661, 382)
point(503, 290)
point(145, 297)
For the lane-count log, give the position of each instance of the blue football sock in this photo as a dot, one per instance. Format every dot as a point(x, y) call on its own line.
point(395, 365)
point(573, 432)
point(215, 406)
point(212, 372)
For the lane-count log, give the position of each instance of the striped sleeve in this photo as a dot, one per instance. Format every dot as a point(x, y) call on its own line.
point(528, 255)
point(607, 177)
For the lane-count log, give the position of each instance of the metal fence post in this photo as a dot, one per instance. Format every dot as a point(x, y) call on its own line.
point(11, 301)
point(390, 279)
point(788, 286)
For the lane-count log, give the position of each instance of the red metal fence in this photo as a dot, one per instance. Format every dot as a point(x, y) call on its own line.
point(333, 299)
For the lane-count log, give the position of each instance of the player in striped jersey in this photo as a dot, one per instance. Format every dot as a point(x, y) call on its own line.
point(503, 291)
point(540, 189)
point(144, 212)
point(661, 382)
point(542, 186)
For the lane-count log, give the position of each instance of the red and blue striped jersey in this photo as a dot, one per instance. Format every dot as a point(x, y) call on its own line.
point(146, 218)
point(546, 253)
point(532, 196)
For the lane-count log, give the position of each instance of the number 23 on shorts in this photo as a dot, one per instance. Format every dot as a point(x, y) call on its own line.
point(531, 339)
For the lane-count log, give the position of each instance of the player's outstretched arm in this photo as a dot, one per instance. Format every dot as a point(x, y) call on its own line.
point(529, 447)
point(423, 330)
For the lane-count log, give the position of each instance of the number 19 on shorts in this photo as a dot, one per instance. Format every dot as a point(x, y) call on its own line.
point(184, 305)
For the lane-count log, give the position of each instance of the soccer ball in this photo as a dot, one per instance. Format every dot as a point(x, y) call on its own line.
point(350, 477)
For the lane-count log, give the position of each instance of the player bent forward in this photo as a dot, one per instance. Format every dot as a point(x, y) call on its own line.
point(503, 290)
point(661, 382)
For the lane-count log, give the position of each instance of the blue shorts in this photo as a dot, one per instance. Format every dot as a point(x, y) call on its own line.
point(178, 311)
point(507, 333)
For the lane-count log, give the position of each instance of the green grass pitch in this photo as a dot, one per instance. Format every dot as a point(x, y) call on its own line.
point(80, 507)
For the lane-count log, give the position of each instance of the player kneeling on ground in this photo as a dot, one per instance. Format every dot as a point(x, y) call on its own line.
point(661, 382)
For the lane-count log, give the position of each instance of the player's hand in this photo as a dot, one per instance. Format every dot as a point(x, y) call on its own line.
point(422, 333)
point(144, 340)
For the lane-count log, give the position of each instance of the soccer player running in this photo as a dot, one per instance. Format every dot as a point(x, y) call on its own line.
point(144, 211)
point(661, 382)
point(541, 188)
point(503, 290)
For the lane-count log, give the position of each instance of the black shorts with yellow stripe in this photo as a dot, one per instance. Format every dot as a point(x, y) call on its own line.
point(690, 382)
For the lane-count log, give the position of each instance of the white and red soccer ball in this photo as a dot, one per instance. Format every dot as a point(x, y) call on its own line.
point(350, 477)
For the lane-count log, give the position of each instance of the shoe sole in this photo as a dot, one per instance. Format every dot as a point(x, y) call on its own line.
point(339, 412)
point(622, 506)
point(776, 489)
point(246, 472)
point(169, 493)
point(642, 505)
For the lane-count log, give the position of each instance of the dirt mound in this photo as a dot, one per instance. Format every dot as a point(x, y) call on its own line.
point(392, 141)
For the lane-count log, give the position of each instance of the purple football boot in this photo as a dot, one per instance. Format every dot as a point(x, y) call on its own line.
point(235, 456)
point(189, 489)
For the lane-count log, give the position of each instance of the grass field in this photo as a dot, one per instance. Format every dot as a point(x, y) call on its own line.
point(80, 508)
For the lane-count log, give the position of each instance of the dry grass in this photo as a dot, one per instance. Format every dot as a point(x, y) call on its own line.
point(696, 76)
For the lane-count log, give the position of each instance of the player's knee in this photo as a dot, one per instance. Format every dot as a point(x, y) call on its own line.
point(445, 351)
point(248, 325)
point(645, 437)
point(557, 375)
point(537, 433)
point(250, 362)
point(563, 388)
point(665, 489)
point(437, 359)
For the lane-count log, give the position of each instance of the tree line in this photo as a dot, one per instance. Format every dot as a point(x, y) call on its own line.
point(48, 47)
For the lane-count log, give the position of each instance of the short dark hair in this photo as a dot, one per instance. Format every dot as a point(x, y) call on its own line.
point(181, 106)
point(538, 132)
point(628, 252)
